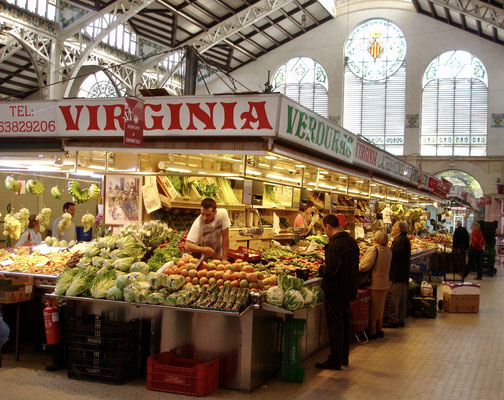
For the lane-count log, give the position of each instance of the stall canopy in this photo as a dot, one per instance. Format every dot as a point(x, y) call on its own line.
point(251, 123)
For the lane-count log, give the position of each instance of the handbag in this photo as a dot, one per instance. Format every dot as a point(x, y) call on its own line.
point(365, 277)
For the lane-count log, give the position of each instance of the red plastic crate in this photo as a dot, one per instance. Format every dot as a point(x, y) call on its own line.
point(169, 373)
point(359, 310)
point(245, 254)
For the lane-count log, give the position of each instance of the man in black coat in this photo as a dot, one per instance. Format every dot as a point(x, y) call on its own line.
point(340, 282)
point(399, 275)
point(460, 246)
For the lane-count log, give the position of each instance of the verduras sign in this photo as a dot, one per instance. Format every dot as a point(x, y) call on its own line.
point(309, 130)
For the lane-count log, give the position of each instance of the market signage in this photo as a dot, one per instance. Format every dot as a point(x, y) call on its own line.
point(164, 117)
point(441, 187)
point(378, 160)
point(133, 122)
point(308, 130)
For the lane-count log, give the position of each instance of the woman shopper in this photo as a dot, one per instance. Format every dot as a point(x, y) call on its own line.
point(377, 259)
point(32, 236)
point(476, 251)
point(399, 275)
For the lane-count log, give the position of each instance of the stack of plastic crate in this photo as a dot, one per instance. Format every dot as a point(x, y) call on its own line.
point(292, 363)
point(104, 351)
point(489, 230)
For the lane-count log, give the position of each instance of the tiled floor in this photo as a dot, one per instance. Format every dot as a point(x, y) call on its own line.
point(455, 356)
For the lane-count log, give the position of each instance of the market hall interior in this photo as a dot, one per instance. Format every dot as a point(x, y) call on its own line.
point(454, 356)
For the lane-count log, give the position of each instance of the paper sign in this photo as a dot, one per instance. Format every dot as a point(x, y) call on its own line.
point(5, 263)
point(133, 122)
point(152, 201)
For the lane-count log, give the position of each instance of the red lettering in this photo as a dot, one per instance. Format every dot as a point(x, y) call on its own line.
point(196, 111)
point(175, 117)
point(111, 117)
point(262, 117)
point(157, 120)
point(13, 109)
point(71, 124)
point(229, 115)
point(93, 118)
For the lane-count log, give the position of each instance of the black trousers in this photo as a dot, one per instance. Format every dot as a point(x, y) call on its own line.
point(340, 332)
point(475, 257)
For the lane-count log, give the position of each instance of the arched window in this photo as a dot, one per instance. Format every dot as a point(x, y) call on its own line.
point(305, 81)
point(375, 84)
point(454, 106)
point(99, 85)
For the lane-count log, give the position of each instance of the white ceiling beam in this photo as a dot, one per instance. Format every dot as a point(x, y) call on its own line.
point(225, 29)
point(479, 10)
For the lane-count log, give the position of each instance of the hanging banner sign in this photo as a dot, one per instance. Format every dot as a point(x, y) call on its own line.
point(379, 160)
point(177, 116)
point(133, 122)
point(308, 130)
point(441, 187)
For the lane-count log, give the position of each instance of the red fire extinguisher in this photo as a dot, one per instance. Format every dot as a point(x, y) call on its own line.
point(51, 324)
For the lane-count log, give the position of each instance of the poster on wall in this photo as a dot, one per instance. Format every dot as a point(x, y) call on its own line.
point(123, 199)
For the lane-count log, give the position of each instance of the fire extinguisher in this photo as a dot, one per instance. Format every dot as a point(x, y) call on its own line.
point(52, 324)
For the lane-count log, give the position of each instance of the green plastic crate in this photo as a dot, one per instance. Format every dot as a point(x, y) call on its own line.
point(293, 373)
point(293, 332)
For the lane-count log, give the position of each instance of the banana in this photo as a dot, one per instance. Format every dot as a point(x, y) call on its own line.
point(12, 184)
point(35, 187)
point(95, 191)
point(55, 192)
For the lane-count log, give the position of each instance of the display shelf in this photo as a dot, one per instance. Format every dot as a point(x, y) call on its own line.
point(423, 253)
point(125, 303)
point(270, 308)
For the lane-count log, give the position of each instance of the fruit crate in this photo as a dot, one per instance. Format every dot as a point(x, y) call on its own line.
point(103, 351)
point(292, 373)
point(245, 254)
point(169, 373)
point(293, 331)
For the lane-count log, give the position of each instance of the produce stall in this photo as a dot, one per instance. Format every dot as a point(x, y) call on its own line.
point(261, 157)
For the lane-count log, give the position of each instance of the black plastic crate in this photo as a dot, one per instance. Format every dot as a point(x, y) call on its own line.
point(96, 373)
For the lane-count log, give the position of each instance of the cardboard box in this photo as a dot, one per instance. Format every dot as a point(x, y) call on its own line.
point(461, 303)
point(16, 290)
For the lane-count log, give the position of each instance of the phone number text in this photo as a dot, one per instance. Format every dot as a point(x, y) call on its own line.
point(27, 126)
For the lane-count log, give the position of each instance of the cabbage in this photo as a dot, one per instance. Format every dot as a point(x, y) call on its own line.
point(140, 267)
point(81, 284)
point(309, 298)
point(159, 281)
point(114, 293)
point(123, 264)
point(141, 296)
point(293, 300)
point(102, 283)
point(92, 251)
point(275, 296)
point(64, 280)
point(155, 298)
point(175, 282)
point(286, 282)
point(97, 261)
point(107, 242)
point(130, 292)
point(318, 292)
point(121, 281)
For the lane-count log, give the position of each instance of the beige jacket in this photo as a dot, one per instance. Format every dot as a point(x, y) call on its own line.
point(380, 274)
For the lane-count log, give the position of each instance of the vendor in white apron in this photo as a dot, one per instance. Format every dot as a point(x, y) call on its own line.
point(32, 236)
point(209, 234)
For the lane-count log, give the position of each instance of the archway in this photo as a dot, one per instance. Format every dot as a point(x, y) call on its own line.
point(464, 180)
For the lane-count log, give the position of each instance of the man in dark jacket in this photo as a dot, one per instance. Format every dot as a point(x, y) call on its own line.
point(460, 246)
point(399, 275)
point(340, 283)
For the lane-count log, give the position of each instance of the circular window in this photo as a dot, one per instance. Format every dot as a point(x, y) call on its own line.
point(375, 50)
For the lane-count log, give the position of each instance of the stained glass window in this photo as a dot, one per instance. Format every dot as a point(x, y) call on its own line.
point(98, 85)
point(375, 84)
point(305, 81)
point(454, 106)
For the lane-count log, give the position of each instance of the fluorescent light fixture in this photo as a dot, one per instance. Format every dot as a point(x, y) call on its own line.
point(271, 158)
point(359, 181)
point(353, 191)
point(365, 193)
point(380, 196)
point(373, 184)
point(323, 172)
point(202, 173)
point(184, 171)
point(230, 159)
point(342, 177)
point(249, 172)
point(300, 166)
point(279, 168)
point(403, 201)
point(327, 186)
point(263, 165)
point(282, 178)
point(236, 178)
point(226, 174)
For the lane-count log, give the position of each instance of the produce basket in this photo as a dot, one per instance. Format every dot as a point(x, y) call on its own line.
point(292, 362)
point(245, 254)
point(169, 373)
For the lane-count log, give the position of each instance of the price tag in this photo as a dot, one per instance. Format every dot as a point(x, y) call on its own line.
point(28, 289)
point(7, 262)
point(45, 250)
